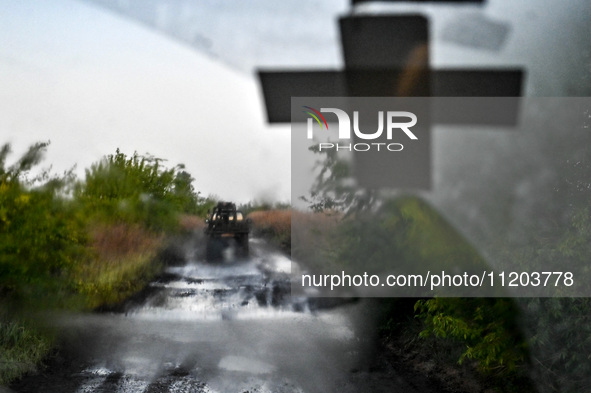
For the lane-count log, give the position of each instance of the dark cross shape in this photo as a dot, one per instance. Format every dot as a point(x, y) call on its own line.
point(388, 56)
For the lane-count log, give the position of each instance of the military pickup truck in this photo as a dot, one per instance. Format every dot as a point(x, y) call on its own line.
point(226, 228)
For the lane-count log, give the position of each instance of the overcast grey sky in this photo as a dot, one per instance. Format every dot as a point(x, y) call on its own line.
point(91, 81)
point(176, 78)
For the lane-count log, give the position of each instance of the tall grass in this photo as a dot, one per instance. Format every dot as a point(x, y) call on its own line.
point(123, 262)
point(21, 349)
point(191, 223)
point(273, 225)
point(313, 238)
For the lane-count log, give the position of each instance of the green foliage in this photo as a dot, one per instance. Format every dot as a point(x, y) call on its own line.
point(559, 329)
point(405, 230)
point(331, 192)
point(84, 250)
point(559, 335)
point(255, 206)
point(123, 278)
point(31, 158)
point(553, 233)
point(555, 341)
point(487, 327)
point(138, 189)
point(573, 246)
point(44, 239)
point(21, 349)
point(41, 236)
point(184, 197)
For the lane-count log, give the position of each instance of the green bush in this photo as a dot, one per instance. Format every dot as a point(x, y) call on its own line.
point(138, 189)
point(487, 327)
point(41, 236)
point(79, 250)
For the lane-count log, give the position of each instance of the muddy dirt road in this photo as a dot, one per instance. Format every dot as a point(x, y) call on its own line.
point(229, 327)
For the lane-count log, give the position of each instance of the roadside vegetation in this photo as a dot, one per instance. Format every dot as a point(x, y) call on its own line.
point(467, 341)
point(22, 349)
point(497, 344)
point(81, 244)
point(71, 244)
point(272, 224)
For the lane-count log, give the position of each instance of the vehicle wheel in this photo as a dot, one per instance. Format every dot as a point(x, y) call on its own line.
point(243, 245)
point(213, 249)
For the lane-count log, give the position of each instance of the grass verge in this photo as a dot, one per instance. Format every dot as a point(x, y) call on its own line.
point(274, 226)
point(22, 348)
point(123, 262)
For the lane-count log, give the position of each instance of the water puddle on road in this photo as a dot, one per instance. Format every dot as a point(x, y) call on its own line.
point(257, 288)
point(227, 327)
